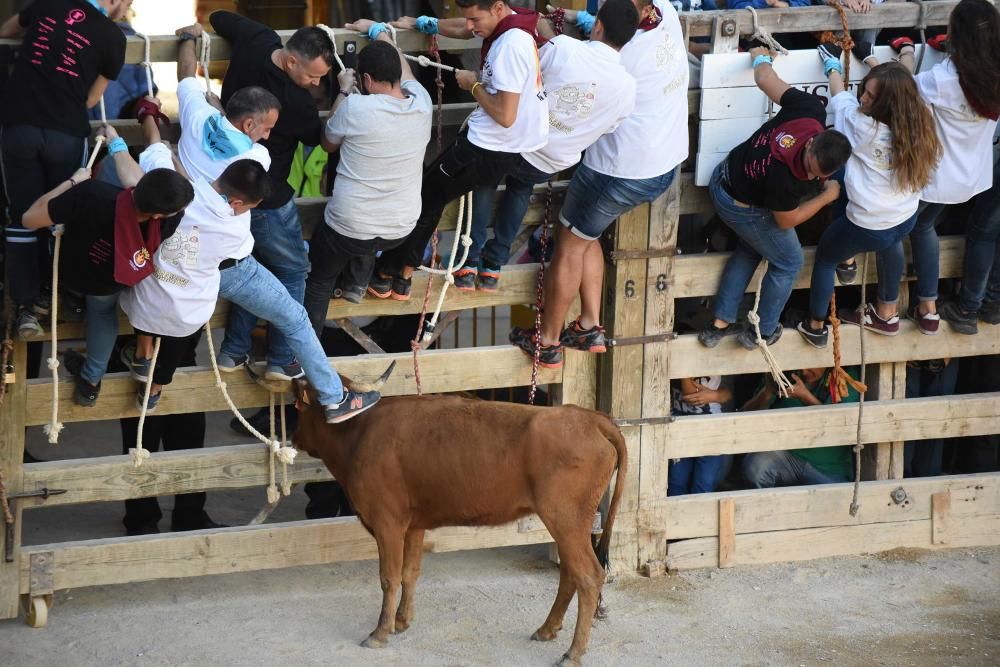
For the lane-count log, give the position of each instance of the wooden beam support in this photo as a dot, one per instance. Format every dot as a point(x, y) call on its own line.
point(940, 517)
point(12, 423)
point(727, 532)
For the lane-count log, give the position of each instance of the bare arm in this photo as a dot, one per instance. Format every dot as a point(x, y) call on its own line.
point(345, 81)
point(455, 27)
point(836, 83)
point(906, 58)
point(808, 208)
point(11, 27)
point(762, 399)
point(187, 61)
point(37, 216)
point(96, 91)
point(364, 25)
point(128, 170)
point(501, 107)
point(768, 81)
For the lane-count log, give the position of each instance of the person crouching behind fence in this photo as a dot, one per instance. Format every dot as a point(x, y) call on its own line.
point(634, 164)
point(895, 152)
point(382, 137)
point(589, 94)
point(767, 186)
point(110, 237)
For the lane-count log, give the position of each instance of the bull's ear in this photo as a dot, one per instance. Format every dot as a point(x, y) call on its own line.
point(300, 387)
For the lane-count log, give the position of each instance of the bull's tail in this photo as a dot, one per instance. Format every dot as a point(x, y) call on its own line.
point(617, 440)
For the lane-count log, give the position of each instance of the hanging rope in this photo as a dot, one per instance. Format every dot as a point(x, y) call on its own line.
point(103, 110)
point(540, 295)
point(439, 82)
point(764, 36)
point(6, 349)
point(8, 516)
point(922, 25)
point(843, 40)
point(206, 56)
point(148, 65)
point(859, 444)
point(286, 486)
point(463, 235)
point(272, 488)
point(332, 36)
point(140, 453)
point(783, 385)
point(415, 344)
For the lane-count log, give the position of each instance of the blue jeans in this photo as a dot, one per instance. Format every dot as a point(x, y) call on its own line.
point(926, 249)
point(278, 245)
point(923, 458)
point(697, 474)
point(102, 332)
point(257, 291)
point(765, 470)
point(759, 237)
point(595, 200)
point(510, 213)
point(843, 240)
point(981, 277)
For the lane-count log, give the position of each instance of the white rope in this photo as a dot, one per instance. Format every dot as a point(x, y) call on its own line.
point(285, 451)
point(272, 487)
point(772, 364)
point(139, 453)
point(147, 63)
point(54, 427)
point(104, 112)
point(464, 215)
point(424, 61)
point(392, 31)
point(206, 55)
point(859, 444)
point(332, 36)
point(764, 36)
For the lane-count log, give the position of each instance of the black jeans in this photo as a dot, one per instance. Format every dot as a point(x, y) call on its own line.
point(174, 353)
point(332, 254)
point(34, 161)
point(463, 166)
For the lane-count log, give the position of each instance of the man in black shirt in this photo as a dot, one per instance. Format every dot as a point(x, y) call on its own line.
point(768, 185)
point(109, 238)
point(71, 49)
point(259, 59)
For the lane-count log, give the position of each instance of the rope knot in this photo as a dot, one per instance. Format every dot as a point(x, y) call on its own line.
point(53, 363)
point(138, 454)
point(52, 430)
point(466, 241)
point(57, 230)
point(287, 455)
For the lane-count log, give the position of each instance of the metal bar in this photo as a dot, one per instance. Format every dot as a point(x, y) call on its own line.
point(641, 340)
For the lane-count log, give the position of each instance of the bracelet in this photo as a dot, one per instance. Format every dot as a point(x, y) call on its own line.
point(760, 60)
point(427, 25)
point(473, 89)
point(72, 183)
point(117, 145)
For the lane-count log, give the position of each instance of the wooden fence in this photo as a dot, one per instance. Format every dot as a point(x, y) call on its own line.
point(630, 382)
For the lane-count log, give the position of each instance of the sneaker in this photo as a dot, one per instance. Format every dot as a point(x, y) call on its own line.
point(816, 337)
point(27, 324)
point(489, 278)
point(586, 340)
point(465, 279)
point(137, 368)
point(42, 305)
point(84, 394)
point(960, 320)
point(354, 294)
point(990, 312)
point(748, 337)
point(928, 324)
point(230, 364)
point(379, 286)
point(872, 321)
point(847, 273)
point(154, 400)
point(287, 372)
point(712, 335)
point(549, 356)
point(401, 288)
point(353, 404)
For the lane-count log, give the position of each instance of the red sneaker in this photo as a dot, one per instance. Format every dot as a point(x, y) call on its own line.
point(928, 324)
point(872, 321)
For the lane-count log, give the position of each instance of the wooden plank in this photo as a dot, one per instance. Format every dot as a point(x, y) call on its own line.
point(898, 454)
point(11, 465)
point(194, 389)
point(883, 450)
point(245, 549)
point(812, 543)
point(826, 505)
point(826, 425)
point(940, 517)
point(688, 358)
point(727, 532)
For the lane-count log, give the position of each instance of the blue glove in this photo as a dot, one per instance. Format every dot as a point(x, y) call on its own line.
point(585, 22)
point(760, 60)
point(427, 25)
point(832, 65)
point(376, 30)
point(117, 145)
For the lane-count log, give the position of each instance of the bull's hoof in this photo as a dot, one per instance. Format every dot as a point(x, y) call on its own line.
point(373, 642)
point(402, 625)
point(601, 613)
point(544, 635)
point(568, 661)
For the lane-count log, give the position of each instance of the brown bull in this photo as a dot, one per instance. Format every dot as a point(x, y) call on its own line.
point(415, 463)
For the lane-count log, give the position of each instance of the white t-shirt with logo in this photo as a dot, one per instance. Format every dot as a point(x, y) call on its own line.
point(654, 138)
point(180, 296)
point(382, 145)
point(873, 199)
point(965, 169)
point(512, 66)
point(589, 93)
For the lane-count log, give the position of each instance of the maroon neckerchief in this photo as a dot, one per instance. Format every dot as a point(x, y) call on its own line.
point(133, 253)
point(788, 141)
point(652, 19)
point(521, 19)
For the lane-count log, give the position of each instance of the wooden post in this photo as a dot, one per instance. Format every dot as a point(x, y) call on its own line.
point(898, 391)
point(12, 464)
point(940, 511)
point(727, 532)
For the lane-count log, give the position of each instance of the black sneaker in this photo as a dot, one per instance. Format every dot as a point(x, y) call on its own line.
point(286, 373)
point(818, 338)
point(151, 404)
point(847, 273)
point(712, 335)
point(353, 404)
point(401, 288)
point(960, 320)
point(549, 356)
point(586, 340)
point(990, 312)
point(353, 294)
point(489, 278)
point(379, 286)
point(465, 278)
point(748, 337)
point(84, 394)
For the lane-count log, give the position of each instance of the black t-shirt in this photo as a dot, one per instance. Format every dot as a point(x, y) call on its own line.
point(251, 65)
point(87, 257)
point(774, 187)
point(67, 44)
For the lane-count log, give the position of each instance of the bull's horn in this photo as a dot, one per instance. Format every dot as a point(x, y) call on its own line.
point(375, 386)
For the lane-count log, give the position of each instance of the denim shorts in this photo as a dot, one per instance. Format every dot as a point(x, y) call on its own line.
point(594, 199)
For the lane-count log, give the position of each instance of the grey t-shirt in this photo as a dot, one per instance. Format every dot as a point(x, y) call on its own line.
point(382, 143)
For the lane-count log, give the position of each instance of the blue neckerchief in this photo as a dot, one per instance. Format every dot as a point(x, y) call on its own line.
point(222, 142)
point(95, 5)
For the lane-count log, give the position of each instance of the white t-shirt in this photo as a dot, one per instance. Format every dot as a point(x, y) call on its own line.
point(382, 145)
point(197, 116)
point(873, 198)
point(180, 296)
point(965, 169)
point(589, 93)
point(512, 66)
point(654, 138)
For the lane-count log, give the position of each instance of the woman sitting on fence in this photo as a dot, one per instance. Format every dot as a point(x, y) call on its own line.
point(895, 152)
